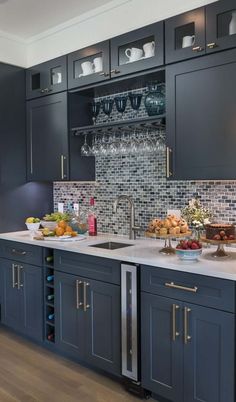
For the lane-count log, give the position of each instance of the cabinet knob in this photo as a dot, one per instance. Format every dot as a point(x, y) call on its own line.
point(115, 71)
point(197, 49)
point(103, 74)
point(212, 45)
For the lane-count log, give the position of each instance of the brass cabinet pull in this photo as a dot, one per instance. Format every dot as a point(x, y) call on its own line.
point(212, 45)
point(85, 296)
point(168, 172)
point(197, 49)
point(115, 71)
point(187, 337)
point(63, 175)
point(187, 289)
point(18, 252)
point(174, 332)
point(14, 283)
point(104, 74)
point(78, 302)
point(19, 270)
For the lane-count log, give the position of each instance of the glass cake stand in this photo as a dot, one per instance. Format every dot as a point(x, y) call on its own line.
point(220, 252)
point(168, 249)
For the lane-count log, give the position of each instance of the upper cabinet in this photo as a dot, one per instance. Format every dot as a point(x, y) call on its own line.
point(46, 78)
point(89, 65)
point(138, 50)
point(221, 25)
point(185, 35)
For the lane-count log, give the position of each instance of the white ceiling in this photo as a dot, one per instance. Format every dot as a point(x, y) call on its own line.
point(27, 18)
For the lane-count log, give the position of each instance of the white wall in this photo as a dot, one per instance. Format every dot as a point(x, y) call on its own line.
point(117, 17)
point(12, 51)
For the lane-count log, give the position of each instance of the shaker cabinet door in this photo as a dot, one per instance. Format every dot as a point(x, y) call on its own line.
point(162, 346)
point(47, 138)
point(103, 326)
point(201, 119)
point(220, 25)
point(209, 355)
point(185, 35)
point(137, 50)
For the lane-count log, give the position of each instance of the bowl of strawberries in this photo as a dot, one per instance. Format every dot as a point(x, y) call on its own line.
point(189, 249)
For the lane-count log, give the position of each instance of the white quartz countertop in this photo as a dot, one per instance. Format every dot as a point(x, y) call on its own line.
point(141, 251)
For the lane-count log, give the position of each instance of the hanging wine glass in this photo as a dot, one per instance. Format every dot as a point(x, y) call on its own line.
point(107, 106)
point(135, 100)
point(121, 102)
point(95, 110)
point(85, 149)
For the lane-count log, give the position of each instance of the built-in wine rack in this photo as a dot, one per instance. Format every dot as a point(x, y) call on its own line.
point(49, 295)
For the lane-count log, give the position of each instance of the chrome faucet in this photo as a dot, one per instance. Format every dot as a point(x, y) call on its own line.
point(132, 228)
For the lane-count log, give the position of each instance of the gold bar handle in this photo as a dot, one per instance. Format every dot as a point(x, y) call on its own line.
point(212, 45)
point(187, 337)
point(187, 289)
point(168, 172)
point(86, 306)
point(175, 333)
point(78, 302)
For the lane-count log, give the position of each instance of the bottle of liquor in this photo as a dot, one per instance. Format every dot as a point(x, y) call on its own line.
point(92, 219)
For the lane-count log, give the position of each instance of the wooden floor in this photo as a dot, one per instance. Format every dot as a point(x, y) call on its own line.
point(29, 373)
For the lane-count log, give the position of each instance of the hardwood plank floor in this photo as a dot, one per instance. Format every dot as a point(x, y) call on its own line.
point(29, 373)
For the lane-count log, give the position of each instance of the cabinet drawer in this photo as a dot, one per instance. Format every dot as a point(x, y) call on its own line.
point(21, 252)
point(102, 269)
point(193, 288)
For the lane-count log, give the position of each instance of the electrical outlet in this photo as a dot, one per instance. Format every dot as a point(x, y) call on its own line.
point(175, 212)
point(76, 207)
point(60, 207)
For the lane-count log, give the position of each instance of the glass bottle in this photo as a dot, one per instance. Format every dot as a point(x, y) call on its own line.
point(92, 219)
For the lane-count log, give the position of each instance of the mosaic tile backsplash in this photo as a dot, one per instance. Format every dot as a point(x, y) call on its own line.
point(144, 178)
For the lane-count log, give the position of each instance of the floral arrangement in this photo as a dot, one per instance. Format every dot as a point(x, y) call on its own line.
point(196, 215)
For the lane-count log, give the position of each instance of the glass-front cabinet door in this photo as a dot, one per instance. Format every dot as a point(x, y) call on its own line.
point(46, 78)
point(137, 50)
point(185, 35)
point(89, 65)
point(221, 25)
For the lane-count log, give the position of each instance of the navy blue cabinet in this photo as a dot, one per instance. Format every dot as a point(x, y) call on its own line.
point(87, 319)
point(22, 299)
point(200, 123)
point(188, 350)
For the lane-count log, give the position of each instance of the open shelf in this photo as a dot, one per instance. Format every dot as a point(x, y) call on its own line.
point(127, 125)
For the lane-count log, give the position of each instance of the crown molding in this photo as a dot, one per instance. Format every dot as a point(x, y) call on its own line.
point(113, 4)
point(13, 38)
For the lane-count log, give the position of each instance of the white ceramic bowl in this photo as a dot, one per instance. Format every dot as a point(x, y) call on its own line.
point(51, 225)
point(189, 255)
point(33, 226)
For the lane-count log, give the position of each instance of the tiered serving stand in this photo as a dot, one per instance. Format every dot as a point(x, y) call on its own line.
point(220, 252)
point(168, 249)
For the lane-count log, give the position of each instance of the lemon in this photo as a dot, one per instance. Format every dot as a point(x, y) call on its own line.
point(30, 220)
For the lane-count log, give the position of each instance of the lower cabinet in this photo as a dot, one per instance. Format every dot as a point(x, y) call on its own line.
point(187, 350)
point(22, 298)
point(87, 319)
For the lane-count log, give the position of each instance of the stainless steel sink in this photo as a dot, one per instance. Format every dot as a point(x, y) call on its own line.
point(111, 245)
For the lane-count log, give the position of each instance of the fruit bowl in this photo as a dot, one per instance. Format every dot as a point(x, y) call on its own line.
point(189, 255)
point(51, 225)
point(33, 226)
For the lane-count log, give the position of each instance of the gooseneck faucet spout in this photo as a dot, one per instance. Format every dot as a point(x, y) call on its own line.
point(132, 228)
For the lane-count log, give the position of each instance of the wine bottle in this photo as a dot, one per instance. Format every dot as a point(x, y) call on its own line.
point(50, 278)
point(50, 297)
point(50, 317)
point(49, 258)
point(92, 219)
point(50, 337)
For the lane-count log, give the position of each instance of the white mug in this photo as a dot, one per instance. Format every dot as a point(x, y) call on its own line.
point(97, 62)
point(149, 49)
point(57, 78)
point(188, 41)
point(87, 67)
point(134, 54)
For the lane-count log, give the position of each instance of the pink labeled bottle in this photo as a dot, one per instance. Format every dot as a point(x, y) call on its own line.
point(92, 219)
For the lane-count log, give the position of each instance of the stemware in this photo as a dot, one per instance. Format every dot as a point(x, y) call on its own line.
point(85, 149)
point(95, 110)
point(121, 102)
point(107, 106)
point(135, 100)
